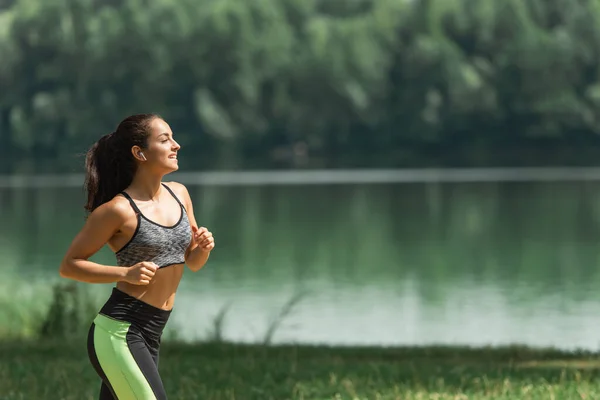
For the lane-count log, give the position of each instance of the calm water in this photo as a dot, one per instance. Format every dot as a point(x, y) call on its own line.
point(385, 264)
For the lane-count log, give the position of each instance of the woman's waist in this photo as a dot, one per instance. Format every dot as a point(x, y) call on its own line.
point(160, 292)
point(127, 308)
point(158, 296)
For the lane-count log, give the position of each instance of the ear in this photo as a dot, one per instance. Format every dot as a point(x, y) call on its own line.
point(138, 154)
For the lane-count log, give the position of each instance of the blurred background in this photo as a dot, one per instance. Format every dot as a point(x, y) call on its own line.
point(381, 172)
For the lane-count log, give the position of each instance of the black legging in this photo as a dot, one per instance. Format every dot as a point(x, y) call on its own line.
point(123, 346)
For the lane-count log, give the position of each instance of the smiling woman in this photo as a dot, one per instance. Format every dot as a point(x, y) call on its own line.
point(150, 225)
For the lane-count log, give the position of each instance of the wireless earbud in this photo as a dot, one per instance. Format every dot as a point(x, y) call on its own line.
point(142, 155)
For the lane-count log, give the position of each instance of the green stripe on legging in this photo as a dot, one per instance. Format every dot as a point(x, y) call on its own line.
point(117, 362)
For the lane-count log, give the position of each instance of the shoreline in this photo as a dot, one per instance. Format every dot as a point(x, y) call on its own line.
point(350, 176)
point(503, 350)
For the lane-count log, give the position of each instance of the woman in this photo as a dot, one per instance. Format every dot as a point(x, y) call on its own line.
point(150, 226)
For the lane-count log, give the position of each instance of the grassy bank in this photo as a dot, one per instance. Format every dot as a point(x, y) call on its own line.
point(54, 371)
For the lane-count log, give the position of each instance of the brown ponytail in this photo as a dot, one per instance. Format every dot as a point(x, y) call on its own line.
point(110, 165)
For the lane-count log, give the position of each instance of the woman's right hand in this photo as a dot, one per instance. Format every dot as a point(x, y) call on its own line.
point(141, 273)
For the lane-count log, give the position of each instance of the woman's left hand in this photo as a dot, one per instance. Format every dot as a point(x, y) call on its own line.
point(203, 238)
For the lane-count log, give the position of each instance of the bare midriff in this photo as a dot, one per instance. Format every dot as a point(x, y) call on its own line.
point(160, 292)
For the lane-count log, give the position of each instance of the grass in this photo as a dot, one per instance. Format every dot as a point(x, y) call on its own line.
point(56, 371)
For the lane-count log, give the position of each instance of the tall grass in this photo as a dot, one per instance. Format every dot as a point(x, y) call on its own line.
point(45, 311)
point(70, 313)
point(278, 319)
point(71, 308)
point(215, 334)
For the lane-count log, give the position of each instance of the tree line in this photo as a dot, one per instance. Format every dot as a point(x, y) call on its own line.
point(306, 82)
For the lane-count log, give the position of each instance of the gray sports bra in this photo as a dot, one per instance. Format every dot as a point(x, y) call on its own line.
point(162, 245)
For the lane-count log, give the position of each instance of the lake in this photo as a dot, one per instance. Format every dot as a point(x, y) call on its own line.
point(406, 263)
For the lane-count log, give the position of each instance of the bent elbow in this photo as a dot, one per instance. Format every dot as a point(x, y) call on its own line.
point(196, 267)
point(64, 270)
point(193, 268)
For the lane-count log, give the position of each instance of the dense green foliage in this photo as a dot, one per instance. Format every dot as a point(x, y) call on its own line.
point(223, 371)
point(362, 82)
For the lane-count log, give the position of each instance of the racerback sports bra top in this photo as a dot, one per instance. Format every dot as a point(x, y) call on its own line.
point(153, 242)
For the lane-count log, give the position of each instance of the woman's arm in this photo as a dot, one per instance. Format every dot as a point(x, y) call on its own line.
point(198, 253)
point(202, 243)
point(100, 226)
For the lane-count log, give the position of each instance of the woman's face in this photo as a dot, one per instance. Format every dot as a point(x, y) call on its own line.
point(161, 151)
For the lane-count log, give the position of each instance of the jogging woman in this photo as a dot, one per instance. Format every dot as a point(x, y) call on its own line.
point(150, 226)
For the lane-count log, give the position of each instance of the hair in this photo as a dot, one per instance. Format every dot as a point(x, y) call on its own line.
point(110, 165)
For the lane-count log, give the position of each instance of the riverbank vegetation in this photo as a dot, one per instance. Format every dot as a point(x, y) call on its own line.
point(276, 83)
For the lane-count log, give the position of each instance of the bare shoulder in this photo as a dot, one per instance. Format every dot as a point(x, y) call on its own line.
point(179, 189)
point(100, 226)
point(114, 211)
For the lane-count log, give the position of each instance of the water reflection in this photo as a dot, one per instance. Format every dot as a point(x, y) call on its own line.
point(477, 263)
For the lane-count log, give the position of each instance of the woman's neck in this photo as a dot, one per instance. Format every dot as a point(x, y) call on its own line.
point(146, 186)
